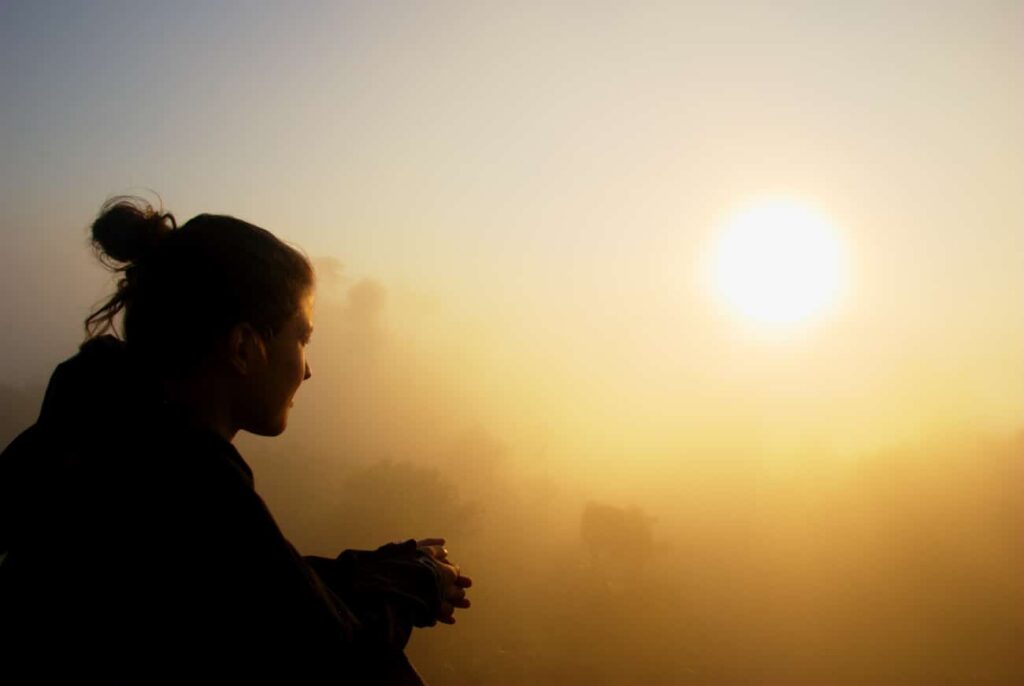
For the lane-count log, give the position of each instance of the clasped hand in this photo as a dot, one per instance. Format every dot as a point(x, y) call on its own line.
point(453, 582)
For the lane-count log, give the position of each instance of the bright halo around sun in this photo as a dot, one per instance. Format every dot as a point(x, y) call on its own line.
point(778, 262)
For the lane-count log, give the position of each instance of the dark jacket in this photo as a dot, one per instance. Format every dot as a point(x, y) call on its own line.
point(138, 551)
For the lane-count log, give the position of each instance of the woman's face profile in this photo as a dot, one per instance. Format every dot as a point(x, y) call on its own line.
point(274, 384)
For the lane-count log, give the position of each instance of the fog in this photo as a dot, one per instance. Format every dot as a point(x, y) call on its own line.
point(726, 565)
point(509, 206)
point(733, 565)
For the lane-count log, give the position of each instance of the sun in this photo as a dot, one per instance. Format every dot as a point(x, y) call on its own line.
point(778, 262)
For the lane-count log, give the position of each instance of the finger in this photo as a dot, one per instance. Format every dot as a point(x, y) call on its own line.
point(430, 541)
point(449, 575)
point(457, 599)
point(436, 552)
point(463, 582)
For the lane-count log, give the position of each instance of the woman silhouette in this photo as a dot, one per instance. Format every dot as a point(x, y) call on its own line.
point(137, 549)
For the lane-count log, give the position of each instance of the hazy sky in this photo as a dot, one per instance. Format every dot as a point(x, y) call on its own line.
point(535, 184)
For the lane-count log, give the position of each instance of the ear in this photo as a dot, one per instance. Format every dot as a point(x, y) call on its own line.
point(246, 349)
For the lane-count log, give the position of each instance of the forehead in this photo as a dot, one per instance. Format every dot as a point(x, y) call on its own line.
point(304, 316)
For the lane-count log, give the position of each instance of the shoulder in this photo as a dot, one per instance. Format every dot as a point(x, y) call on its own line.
point(92, 388)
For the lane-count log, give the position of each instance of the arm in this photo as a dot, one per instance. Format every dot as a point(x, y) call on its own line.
point(250, 584)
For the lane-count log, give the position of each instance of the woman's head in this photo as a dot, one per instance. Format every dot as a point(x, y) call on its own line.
point(186, 290)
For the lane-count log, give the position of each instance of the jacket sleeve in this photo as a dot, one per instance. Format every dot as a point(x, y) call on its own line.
point(250, 583)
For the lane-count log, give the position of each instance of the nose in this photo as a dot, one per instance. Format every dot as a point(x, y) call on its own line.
point(308, 373)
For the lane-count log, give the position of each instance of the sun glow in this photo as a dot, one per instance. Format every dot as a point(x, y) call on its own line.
point(778, 262)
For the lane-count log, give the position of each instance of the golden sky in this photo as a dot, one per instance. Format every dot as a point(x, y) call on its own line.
point(535, 186)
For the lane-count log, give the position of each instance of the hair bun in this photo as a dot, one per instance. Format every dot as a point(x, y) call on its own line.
point(128, 229)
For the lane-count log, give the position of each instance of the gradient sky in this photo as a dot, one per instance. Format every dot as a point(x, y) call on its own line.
point(535, 184)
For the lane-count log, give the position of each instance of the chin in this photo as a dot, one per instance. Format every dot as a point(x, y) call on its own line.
point(275, 428)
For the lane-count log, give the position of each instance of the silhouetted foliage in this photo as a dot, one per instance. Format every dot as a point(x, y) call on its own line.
point(619, 540)
point(394, 500)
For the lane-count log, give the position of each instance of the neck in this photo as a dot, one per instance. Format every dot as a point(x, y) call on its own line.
point(206, 402)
